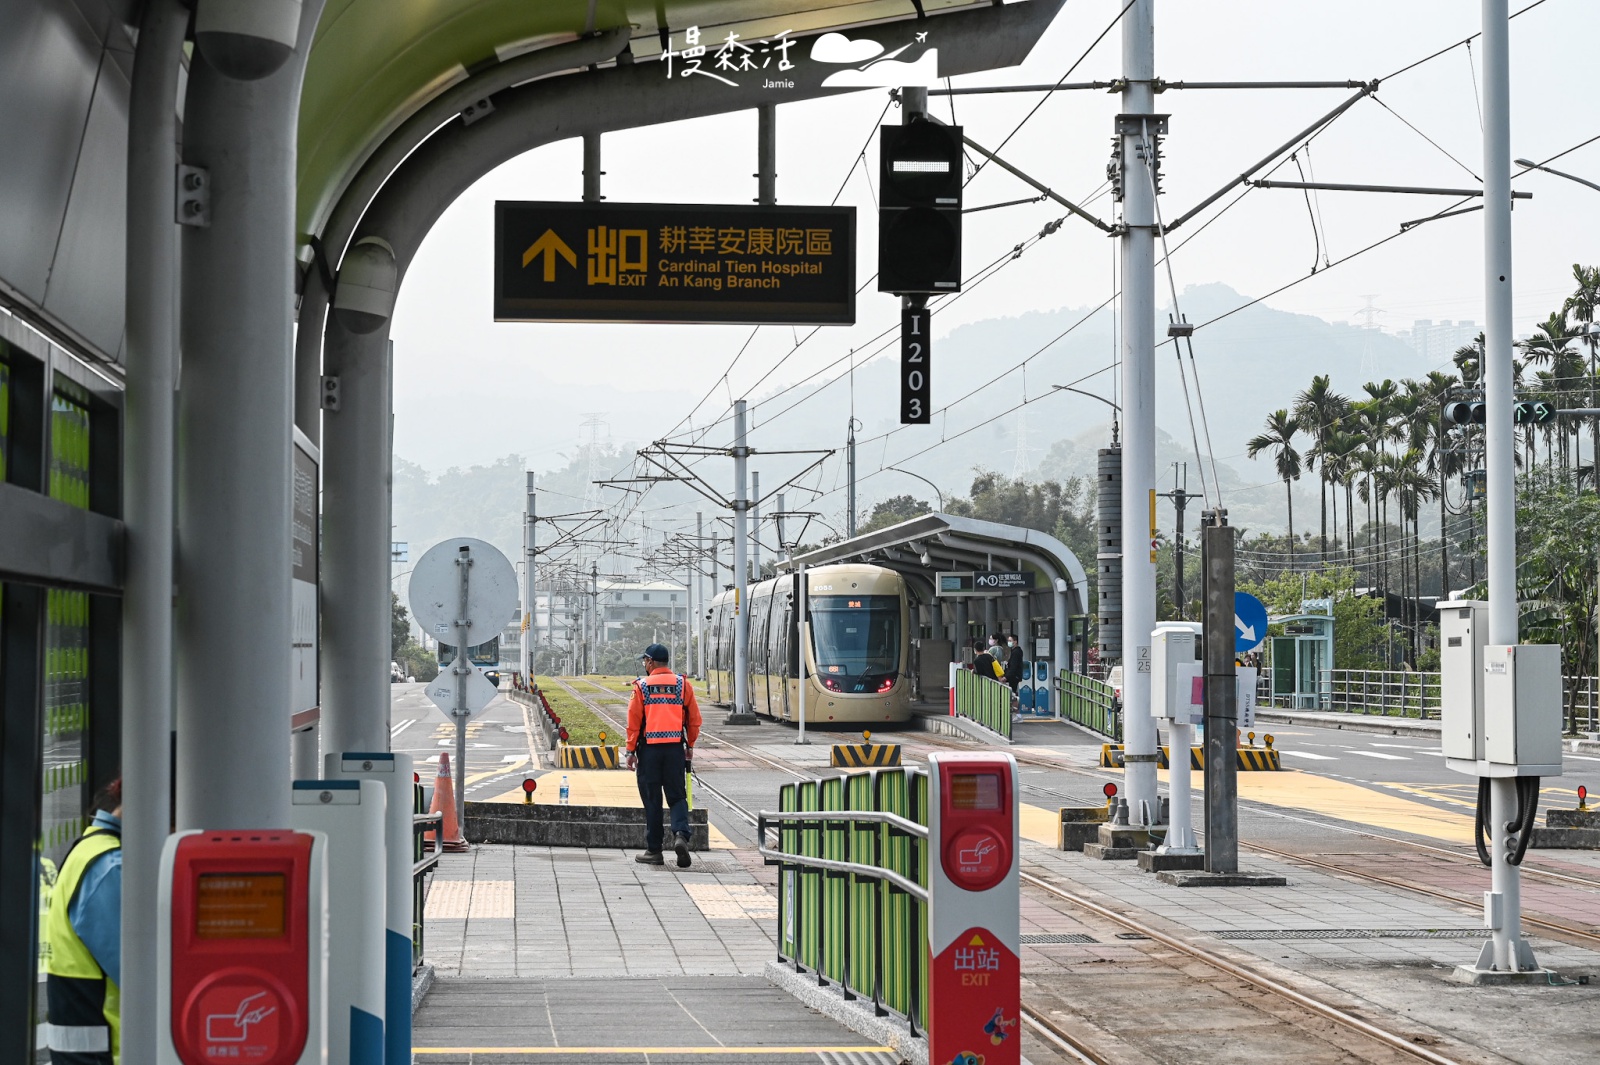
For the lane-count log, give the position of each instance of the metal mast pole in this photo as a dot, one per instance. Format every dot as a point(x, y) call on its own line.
point(1138, 390)
point(461, 667)
point(1507, 950)
point(741, 616)
point(850, 464)
point(530, 603)
point(594, 614)
point(700, 582)
point(755, 526)
point(783, 550)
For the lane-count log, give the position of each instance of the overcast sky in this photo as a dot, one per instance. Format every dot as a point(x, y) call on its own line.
point(468, 390)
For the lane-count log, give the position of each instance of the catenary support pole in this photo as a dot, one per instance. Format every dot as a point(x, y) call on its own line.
point(700, 587)
point(594, 616)
point(850, 474)
point(804, 608)
point(234, 412)
point(755, 526)
point(530, 569)
point(1139, 394)
point(1508, 949)
point(777, 522)
point(151, 363)
point(462, 667)
point(741, 602)
point(1221, 697)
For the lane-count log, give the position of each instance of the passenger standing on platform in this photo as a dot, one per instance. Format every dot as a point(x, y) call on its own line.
point(82, 940)
point(1013, 665)
point(663, 724)
point(983, 662)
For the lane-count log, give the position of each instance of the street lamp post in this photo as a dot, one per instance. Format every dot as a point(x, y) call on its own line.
point(924, 480)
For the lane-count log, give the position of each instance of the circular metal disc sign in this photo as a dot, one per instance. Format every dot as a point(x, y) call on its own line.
point(436, 590)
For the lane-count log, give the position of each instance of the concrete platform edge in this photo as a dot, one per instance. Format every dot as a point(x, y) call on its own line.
point(855, 1015)
point(1386, 726)
point(421, 984)
point(948, 725)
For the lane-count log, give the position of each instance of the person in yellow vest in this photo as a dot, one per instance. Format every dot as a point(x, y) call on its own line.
point(83, 937)
point(663, 724)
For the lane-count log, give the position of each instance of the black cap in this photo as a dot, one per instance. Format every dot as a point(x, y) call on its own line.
point(658, 653)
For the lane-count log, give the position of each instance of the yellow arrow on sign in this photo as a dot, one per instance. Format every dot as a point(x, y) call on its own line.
point(550, 246)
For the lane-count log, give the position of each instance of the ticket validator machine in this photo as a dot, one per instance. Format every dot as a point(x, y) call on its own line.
point(242, 951)
point(351, 813)
point(394, 772)
point(974, 921)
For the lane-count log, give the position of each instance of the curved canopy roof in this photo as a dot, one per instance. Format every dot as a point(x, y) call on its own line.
point(375, 63)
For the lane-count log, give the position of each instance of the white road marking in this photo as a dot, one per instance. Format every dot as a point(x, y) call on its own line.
point(397, 729)
point(1380, 754)
point(1307, 754)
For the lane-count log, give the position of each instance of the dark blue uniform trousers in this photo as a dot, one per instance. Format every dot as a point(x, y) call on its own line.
point(661, 769)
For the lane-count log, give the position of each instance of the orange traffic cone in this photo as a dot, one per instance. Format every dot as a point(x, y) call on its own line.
point(444, 802)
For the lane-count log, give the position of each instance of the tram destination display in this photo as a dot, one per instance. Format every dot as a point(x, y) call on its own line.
point(633, 262)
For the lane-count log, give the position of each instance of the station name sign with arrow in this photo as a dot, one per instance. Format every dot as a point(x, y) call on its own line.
point(632, 262)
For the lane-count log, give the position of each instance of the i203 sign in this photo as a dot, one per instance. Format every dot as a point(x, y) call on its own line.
point(629, 262)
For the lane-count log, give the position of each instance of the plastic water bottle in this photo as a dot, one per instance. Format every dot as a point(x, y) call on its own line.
point(565, 792)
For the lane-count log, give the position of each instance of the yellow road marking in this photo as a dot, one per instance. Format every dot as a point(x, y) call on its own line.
point(1040, 825)
point(655, 1050)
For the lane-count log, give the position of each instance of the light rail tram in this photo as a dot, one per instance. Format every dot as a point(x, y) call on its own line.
point(858, 656)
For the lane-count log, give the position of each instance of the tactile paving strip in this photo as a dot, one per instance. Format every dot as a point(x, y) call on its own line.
point(733, 902)
point(456, 900)
point(1351, 933)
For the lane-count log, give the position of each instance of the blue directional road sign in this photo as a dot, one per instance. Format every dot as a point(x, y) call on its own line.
point(1249, 622)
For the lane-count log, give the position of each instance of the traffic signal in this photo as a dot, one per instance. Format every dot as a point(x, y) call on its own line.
point(1538, 412)
point(1464, 413)
point(919, 207)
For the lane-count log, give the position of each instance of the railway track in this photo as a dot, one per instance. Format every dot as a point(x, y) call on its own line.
point(1060, 1038)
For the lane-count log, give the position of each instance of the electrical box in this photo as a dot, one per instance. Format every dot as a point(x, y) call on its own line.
point(1522, 707)
point(1174, 666)
point(1463, 632)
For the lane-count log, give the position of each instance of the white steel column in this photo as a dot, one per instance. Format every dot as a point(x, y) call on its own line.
point(700, 587)
point(1139, 396)
point(234, 446)
point(755, 526)
point(530, 567)
point(1507, 944)
point(741, 604)
point(152, 360)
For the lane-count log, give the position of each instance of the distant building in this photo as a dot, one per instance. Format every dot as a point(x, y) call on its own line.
point(1438, 341)
point(625, 601)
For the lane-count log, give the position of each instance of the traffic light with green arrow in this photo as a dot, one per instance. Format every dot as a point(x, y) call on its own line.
point(1537, 412)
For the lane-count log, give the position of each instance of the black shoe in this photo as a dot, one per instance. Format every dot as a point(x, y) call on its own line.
point(650, 858)
point(681, 845)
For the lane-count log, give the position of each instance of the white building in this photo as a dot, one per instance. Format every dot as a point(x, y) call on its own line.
point(625, 601)
point(1437, 341)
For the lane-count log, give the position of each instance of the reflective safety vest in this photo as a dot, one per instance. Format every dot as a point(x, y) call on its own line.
point(84, 1007)
point(664, 712)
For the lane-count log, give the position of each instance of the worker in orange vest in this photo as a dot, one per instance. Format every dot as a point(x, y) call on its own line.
point(663, 724)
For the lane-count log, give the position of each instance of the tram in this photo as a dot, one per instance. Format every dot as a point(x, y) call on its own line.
point(857, 658)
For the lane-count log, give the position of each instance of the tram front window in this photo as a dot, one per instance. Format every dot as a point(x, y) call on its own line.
point(856, 640)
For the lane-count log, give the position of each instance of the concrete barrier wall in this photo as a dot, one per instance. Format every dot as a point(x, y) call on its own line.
point(534, 825)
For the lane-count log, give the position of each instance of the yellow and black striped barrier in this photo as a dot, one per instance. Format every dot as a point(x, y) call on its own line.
point(865, 755)
point(1251, 759)
point(589, 758)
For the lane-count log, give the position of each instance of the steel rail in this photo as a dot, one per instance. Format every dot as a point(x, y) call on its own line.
point(1333, 1013)
point(1559, 928)
point(1062, 1040)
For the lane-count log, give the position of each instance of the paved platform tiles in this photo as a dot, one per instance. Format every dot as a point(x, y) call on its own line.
point(631, 1020)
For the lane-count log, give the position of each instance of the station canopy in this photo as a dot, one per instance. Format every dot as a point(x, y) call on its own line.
point(937, 543)
point(375, 64)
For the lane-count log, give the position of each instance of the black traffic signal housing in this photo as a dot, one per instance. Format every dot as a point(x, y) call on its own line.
point(1537, 412)
point(1464, 413)
point(919, 207)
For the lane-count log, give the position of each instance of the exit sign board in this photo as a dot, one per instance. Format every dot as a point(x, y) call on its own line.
point(635, 262)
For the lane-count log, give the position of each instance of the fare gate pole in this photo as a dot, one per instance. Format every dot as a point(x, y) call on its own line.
point(1221, 697)
point(974, 910)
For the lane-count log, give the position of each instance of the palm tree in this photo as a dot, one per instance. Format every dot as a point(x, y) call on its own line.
point(1342, 467)
point(1443, 461)
point(1412, 487)
point(1583, 304)
point(1318, 410)
point(1281, 427)
point(1550, 346)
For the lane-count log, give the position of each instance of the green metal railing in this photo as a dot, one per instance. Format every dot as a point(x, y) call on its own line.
point(984, 700)
point(852, 858)
point(421, 821)
point(1089, 702)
